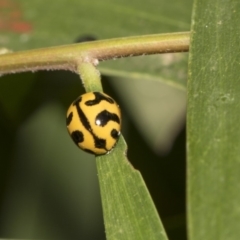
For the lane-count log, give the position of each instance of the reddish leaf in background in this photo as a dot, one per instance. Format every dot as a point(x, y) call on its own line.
point(11, 18)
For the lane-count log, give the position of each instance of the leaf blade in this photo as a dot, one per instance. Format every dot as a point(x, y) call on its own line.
point(213, 113)
point(129, 212)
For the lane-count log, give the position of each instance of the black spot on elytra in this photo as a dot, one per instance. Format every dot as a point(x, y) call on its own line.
point(77, 136)
point(115, 134)
point(98, 98)
point(69, 118)
point(100, 143)
point(104, 117)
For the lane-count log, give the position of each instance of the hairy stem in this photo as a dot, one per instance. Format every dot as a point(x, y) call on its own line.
point(90, 76)
point(69, 56)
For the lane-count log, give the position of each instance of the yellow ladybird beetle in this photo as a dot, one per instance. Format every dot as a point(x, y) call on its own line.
point(94, 122)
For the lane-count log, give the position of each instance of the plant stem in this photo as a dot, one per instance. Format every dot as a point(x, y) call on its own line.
point(90, 76)
point(69, 56)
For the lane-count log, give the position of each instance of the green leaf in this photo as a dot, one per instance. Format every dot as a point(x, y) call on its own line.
point(213, 122)
point(129, 212)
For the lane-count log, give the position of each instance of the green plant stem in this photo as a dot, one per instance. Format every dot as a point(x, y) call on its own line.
point(68, 57)
point(90, 76)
